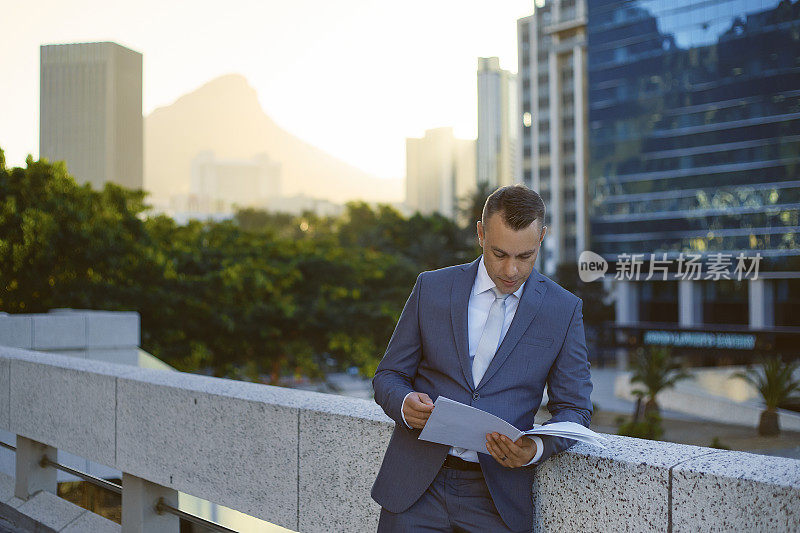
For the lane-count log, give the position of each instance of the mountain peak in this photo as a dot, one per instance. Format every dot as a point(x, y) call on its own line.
point(229, 88)
point(224, 115)
point(227, 82)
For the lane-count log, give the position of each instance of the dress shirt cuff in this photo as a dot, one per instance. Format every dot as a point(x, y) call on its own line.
point(404, 416)
point(539, 449)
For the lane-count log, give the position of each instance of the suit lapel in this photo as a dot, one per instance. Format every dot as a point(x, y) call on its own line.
point(459, 304)
point(528, 306)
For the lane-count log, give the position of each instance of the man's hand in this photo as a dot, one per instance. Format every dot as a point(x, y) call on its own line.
point(510, 454)
point(417, 408)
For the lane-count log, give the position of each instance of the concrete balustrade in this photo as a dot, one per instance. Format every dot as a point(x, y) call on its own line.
point(31, 476)
point(138, 496)
point(307, 460)
point(110, 336)
point(70, 329)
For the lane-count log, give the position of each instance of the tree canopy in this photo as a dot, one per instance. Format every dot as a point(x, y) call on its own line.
point(263, 292)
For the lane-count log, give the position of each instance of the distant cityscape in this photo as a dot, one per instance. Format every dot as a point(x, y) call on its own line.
point(664, 139)
point(647, 128)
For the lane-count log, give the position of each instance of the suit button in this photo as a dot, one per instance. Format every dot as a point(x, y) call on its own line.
point(475, 396)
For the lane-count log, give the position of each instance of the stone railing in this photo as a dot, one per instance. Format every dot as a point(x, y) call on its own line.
point(306, 461)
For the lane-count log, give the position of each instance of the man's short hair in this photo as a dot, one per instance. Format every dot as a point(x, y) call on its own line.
point(519, 205)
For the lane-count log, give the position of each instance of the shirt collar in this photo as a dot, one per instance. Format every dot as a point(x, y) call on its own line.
point(484, 283)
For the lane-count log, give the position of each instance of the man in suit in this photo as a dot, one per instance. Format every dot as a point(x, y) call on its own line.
point(489, 334)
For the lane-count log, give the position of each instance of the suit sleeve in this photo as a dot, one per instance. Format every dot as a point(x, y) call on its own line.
point(569, 385)
point(394, 377)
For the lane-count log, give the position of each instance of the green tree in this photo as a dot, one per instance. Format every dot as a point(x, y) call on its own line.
point(262, 294)
point(65, 245)
point(471, 206)
point(776, 383)
point(649, 428)
point(228, 289)
point(426, 242)
point(656, 370)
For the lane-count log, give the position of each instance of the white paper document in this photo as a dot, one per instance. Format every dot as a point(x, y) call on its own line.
point(457, 424)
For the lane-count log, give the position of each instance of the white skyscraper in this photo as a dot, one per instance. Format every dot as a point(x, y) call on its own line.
point(440, 170)
point(91, 112)
point(497, 124)
point(553, 123)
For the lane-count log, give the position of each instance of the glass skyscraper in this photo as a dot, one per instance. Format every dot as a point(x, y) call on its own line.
point(694, 147)
point(694, 127)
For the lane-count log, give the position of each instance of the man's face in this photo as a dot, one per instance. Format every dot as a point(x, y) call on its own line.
point(509, 255)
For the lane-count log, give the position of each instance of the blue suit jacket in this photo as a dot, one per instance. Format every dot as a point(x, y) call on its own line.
point(429, 353)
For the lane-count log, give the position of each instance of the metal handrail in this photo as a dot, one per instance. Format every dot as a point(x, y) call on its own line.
point(163, 507)
point(113, 487)
point(10, 447)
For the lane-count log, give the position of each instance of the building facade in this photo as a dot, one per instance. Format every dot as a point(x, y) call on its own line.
point(497, 125)
point(694, 135)
point(440, 171)
point(695, 126)
point(91, 112)
point(226, 183)
point(553, 123)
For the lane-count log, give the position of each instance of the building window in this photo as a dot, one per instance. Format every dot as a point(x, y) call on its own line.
point(527, 119)
point(528, 177)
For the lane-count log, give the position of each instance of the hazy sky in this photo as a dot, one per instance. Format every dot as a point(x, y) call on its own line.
point(353, 77)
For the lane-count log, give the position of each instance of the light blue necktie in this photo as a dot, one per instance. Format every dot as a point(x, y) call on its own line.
point(490, 338)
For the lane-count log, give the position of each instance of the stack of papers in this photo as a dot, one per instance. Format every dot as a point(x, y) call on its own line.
point(570, 430)
point(457, 424)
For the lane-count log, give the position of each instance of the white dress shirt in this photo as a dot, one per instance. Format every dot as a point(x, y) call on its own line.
point(480, 300)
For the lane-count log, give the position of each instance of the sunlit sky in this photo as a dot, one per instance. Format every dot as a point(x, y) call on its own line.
point(352, 77)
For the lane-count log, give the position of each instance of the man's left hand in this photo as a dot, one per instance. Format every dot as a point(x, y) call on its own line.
point(511, 454)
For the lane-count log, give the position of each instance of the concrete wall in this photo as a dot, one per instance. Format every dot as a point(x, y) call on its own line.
point(307, 460)
point(105, 335)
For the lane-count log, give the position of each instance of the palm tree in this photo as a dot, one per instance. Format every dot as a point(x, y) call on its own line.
point(776, 383)
point(471, 205)
point(656, 370)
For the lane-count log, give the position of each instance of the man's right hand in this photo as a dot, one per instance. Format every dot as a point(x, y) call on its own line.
point(417, 408)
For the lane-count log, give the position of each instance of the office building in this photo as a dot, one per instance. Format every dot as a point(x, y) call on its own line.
point(91, 112)
point(222, 184)
point(440, 171)
point(694, 134)
point(497, 125)
point(553, 123)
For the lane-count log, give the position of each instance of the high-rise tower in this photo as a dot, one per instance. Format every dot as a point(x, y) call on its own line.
point(91, 112)
point(497, 124)
point(440, 170)
point(553, 125)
